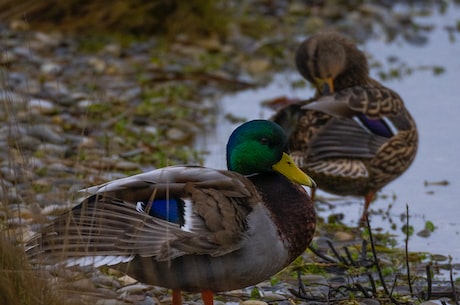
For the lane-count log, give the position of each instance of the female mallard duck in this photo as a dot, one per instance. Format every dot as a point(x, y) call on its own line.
point(355, 135)
point(193, 228)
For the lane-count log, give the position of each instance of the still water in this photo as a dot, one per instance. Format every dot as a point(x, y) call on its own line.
point(433, 100)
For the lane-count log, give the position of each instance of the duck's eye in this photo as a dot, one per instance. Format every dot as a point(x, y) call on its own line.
point(264, 141)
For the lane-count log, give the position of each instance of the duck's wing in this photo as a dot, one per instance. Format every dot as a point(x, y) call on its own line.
point(360, 122)
point(162, 214)
point(374, 101)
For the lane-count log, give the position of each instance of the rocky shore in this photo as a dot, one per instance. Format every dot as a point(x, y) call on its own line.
point(76, 113)
point(72, 118)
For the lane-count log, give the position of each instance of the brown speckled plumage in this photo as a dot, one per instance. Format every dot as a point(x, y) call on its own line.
point(192, 228)
point(355, 135)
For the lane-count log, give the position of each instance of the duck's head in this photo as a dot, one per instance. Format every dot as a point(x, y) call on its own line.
point(260, 146)
point(331, 62)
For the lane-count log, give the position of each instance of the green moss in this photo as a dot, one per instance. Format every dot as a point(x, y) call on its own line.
point(131, 18)
point(42, 171)
point(39, 188)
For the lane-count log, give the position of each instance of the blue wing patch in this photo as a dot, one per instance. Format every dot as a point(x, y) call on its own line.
point(378, 127)
point(171, 210)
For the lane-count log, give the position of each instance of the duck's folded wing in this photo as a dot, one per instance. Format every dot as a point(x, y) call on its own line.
point(360, 122)
point(344, 138)
point(373, 101)
point(164, 214)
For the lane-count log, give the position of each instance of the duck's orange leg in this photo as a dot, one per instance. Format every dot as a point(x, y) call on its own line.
point(176, 297)
point(367, 201)
point(208, 297)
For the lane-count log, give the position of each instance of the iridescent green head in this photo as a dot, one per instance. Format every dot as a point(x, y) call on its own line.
point(260, 146)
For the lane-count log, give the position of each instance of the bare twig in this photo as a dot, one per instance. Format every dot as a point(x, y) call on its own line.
point(320, 255)
point(363, 290)
point(374, 253)
point(377, 265)
point(371, 280)
point(452, 283)
point(394, 284)
point(350, 259)
point(364, 250)
point(407, 252)
point(429, 282)
point(336, 253)
point(301, 286)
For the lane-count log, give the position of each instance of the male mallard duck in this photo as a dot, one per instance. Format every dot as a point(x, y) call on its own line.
point(193, 228)
point(355, 135)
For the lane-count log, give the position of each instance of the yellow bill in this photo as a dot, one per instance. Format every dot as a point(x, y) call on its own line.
point(325, 86)
point(287, 167)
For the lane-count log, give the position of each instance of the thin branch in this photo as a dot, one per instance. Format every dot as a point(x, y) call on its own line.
point(374, 253)
point(407, 252)
point(350, 259)
point(371, 280)
point(377, 265)
point(336, 253)
point(429, 282)
point(394, 284)
point(301, 285)
point(452, 283)
point(320, 255)
point(363, 290)
point(364, 250)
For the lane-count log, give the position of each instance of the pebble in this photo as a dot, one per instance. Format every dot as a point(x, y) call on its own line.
point(51, 68)
point(55, 89)
point(439, 257)
point(110, 302)
point(16, 175)
point(424, 233)
point(431, 302)
point(11, 98)
point(147, 301)
point(7, 57)
point(253, 302)
point(177, 135)
point(98, 65)
point(127, 280)
point(42, 106)
point(85, 103)
point(313, 279)
point(338, 280)
point(113, 49)
point(54, 209)
point(273, 297)
point(134, 289)
point(343, 236)
point(105, 281)
point(80, 284)
point(19, 25)
point(52, 149)
point(57, 167)
point(10, 197)
point(47, 133)
point(258, 66)
point(285, 302)
point(27, 142)
point(369, 302)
